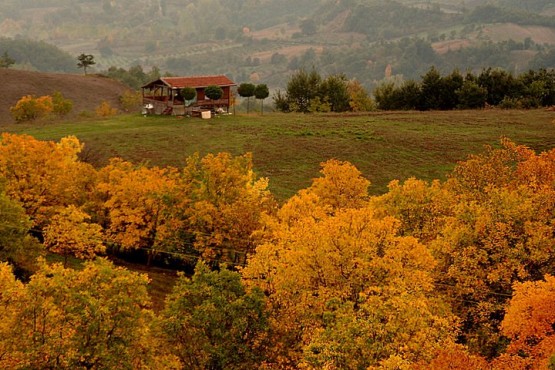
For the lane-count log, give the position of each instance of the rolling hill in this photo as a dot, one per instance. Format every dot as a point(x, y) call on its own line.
point(86, 92)
point(264, 41)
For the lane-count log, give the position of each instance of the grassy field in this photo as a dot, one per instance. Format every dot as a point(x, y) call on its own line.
point(287, 148)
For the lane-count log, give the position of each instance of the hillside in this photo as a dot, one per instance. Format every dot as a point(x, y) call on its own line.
point(288, 148)
point(264, 41)
point(86, 92)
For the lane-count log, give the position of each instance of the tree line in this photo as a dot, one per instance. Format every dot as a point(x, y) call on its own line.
point(428, 275)
point(493, 87)
point(36, 55)
point(310, 92)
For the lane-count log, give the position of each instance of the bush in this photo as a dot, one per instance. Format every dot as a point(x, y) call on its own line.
point(60, 105)
point(29, 108)
point(281, 103)
point(105, 110)
point(510, 103)
point(131, 101)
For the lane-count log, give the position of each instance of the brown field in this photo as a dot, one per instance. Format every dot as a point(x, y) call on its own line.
point(506, 31)
point(443, 47)
point(86, 92)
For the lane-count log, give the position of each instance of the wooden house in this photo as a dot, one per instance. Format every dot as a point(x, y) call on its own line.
point(163, 96)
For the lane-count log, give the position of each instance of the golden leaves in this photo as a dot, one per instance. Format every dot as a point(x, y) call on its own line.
point(70, 233)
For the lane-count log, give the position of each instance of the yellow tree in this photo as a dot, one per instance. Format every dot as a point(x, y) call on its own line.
point(359, 100)
point(71, 233)
point(44, 175)
point(501, 231)
point(11, 293)
point(341, 186)
point(66, 319)
point(227, 205)
point(142, 206)
point(421, 208)
point(345, 290)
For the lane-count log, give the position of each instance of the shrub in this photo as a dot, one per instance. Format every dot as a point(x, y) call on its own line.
point(131, 101)
point(105, 110)
point(510, 103)
point(30, 108)
point(60, 105)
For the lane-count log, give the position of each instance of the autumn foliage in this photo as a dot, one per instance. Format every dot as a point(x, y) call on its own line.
point(454, 274)
point(29, 107)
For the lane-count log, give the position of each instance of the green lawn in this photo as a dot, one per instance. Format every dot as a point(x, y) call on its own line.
point(288, 148)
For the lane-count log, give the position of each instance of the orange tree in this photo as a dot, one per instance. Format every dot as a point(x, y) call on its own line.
point(488, 226)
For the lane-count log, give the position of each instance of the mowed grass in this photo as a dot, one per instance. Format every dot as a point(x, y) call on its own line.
point(288, 148)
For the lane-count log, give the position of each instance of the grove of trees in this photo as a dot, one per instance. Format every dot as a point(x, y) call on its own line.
point(448, 274)
point(309, 92)
point(37, 55)
point(493, 87)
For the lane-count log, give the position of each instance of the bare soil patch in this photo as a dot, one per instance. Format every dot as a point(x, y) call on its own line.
point(86, 92)
point(281, 31)
point(443, 47)
point(288, 51)
point(506, 31)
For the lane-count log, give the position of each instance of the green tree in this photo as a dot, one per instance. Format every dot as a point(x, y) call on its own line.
point(60, 105)
point(539, 86)
point(499, 84)
point(16, 245)
point(432, 89)
point(188, 93)
point(385, 96)
point(261, 92)
point(213, 92)
point(212, 322)
point(449, 85)
point(94, 318)
point(281, 102)
point(246, 90)
point(471, 95)
point(6, 61)
point(85, 61)
point(409, 95)
point(302, 88)
point(333, 89)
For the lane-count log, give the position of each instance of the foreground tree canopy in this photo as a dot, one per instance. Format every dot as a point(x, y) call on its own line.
point(453, 274)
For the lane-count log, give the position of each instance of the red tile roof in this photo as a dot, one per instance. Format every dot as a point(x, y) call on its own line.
point(197, 81)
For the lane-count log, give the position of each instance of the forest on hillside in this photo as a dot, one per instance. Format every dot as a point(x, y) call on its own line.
point(437, 275)
point(264, 41)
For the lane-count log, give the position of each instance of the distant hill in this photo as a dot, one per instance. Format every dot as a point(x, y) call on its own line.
point(264, 41)
point(86, 92)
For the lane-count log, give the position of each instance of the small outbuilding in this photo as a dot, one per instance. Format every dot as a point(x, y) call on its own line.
point(163, 96)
